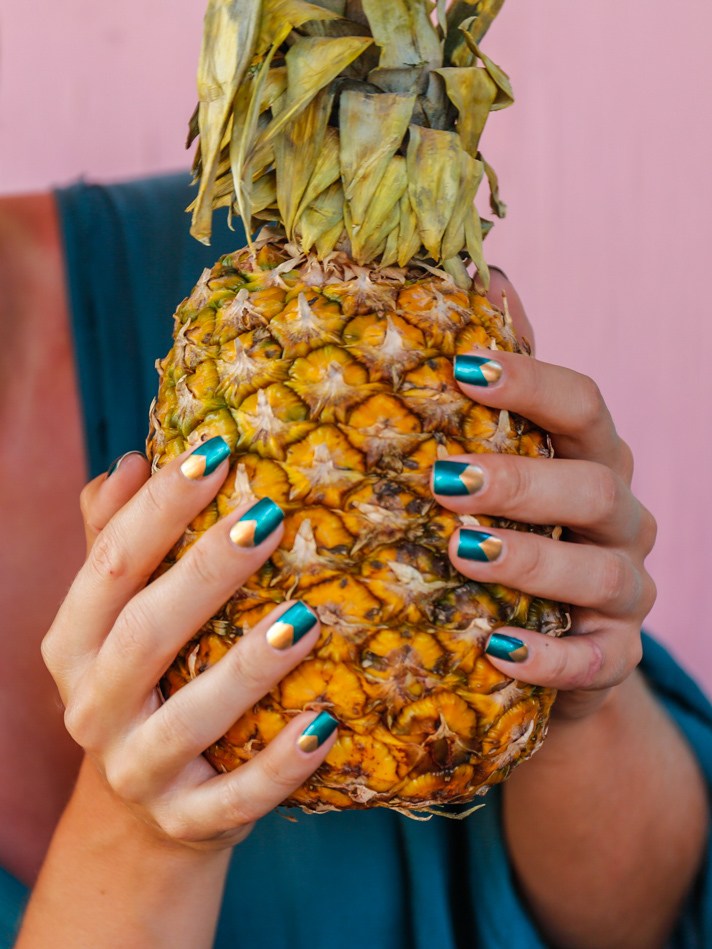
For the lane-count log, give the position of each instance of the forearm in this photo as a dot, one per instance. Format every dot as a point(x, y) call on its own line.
point(607, 824)
point(109, 881)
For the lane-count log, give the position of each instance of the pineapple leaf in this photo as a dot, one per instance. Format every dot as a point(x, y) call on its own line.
point(433, 182)
point(293, 13)
point(372, 130)
point(496, 203)
point(404, 33)
point(327, 171)
point(296, 152)
point(312, 63)
point(472, 91)
point(228, 43)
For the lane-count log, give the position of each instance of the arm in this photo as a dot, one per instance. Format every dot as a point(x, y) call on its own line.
point(606, 826)
point(40, 472)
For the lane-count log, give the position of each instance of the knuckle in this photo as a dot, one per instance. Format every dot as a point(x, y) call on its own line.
point(626, 460)
point(152, 499)
point(203, 565)
point(237, 809)
point(108, 558)
point(246, 669)
point(131, 631)
point(607, 494)
point(518, 483)
point(175, 728)
point(80, 718)
point(583, 674)
point(529, 573)
point(125, 778)
point(177, 826)
point(614, 580)
point(649, 594)
point(648, 532)
point(591, 405)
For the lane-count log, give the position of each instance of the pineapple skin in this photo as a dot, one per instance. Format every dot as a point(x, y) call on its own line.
point(332, 383)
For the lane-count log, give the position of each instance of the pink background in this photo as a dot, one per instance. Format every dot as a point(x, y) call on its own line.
point(604, 162)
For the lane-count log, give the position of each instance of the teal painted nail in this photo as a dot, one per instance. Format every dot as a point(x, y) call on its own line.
point(454, 478)
point(506, 647)
point(113, 467)
point(477, 370)
point(257, 524)
point(477, 545)
point(292, 626)
point(315, 735)
point(206, 458)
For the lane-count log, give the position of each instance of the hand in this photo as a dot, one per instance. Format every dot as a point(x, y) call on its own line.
point(599, 566)
point(116, 634)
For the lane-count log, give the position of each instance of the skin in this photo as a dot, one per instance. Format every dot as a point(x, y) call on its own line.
point(613, 781)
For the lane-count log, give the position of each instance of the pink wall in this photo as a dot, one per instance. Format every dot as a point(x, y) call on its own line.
point(604, 162)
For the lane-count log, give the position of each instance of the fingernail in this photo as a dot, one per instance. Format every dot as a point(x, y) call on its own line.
point(206, 458)
point(292, 626)
point(508, 648)
point(455, 478)
point(315, 735)
point(477, 545)
point(477, 370)
point(113, 467)
point(257, 524)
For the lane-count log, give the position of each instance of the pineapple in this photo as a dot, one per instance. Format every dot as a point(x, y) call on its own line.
point(323, 353)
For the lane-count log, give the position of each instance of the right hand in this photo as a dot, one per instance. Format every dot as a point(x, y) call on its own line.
point(116, 633)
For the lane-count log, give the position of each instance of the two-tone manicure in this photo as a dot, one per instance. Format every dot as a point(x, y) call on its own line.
point(206, 458)
point(292, 626)
point(314, 735)
point(456, 478)
point(257, 524)
point(479, 546)
point(508, 648)
point(477, 370)
point(114, 466)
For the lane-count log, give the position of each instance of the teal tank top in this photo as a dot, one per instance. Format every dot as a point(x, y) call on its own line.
point(349, 880)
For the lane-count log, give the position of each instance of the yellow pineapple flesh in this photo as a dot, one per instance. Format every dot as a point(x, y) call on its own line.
point(323, 354)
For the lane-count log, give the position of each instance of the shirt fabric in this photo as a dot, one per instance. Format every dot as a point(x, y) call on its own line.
point(353, 879)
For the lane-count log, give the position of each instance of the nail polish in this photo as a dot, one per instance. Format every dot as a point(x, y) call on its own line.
point(292, 626)
point(315, 735)
point(508, 648)
point(477, 370)
point(455, 478)
point(206, 458)
point(113, 467)
point(478, 545)
point(257, 524)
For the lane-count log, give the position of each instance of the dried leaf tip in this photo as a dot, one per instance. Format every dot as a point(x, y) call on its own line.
point(355, 125)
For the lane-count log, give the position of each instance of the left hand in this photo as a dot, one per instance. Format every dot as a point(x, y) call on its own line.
point(598, 568)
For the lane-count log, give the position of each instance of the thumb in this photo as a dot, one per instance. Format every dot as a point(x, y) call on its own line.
point(108, 492)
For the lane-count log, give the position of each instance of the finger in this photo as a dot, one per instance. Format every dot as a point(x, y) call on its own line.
point(131, 546)
point(594, 661)
point(160, 619)
point(580, 574)
point(106, 495)
point(588, 498)
point(565, 403)
point(204, 709)
point(228, 802)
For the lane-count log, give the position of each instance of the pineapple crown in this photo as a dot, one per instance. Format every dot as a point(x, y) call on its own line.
point(352, 124)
